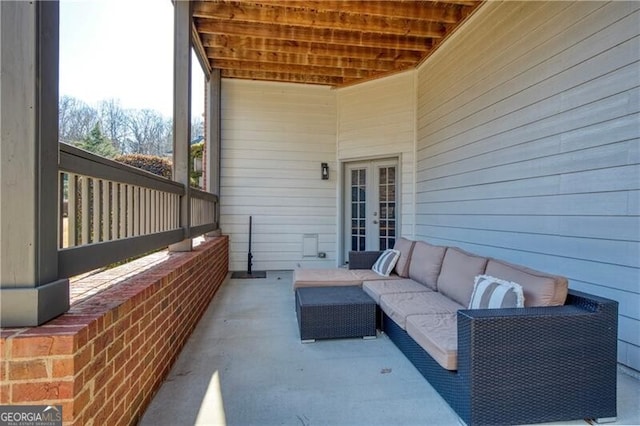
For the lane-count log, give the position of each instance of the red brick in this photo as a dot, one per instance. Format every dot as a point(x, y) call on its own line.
point(25, 370)
point(62, 367)
point(82, 357)
point(102, 378)
point(30, 347)
point(131, 332)
point(115, 382)
point(102, 341)
point(95, 366)
point(64, 345)
point(67, 411)
point(120, 360)
point(114, 348)
point(81, 401)
point(5, 391)
point(39, 391)
point(121, 326)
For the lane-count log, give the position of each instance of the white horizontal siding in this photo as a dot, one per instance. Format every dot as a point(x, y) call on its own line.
point(274, 137)
point(377, 120)
point(528, 145)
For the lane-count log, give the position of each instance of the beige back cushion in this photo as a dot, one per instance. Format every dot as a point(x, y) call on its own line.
point(459, 270)
point(425, 264)
point(406, 248)
point(540, 289)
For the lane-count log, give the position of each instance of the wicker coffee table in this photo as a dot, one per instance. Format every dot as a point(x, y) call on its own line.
point(335, 312)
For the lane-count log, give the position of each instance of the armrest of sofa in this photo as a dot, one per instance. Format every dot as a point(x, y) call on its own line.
point(561, 358)
point(363, 259)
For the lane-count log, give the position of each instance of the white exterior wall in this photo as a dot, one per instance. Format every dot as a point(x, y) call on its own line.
point(274, 138)
point(376, 120)
point(528, 145)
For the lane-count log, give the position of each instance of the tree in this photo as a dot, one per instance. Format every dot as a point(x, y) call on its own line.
point(97, 143)
point(113, 119)
point(148, 132)
point(197, 128)
point(75, 119)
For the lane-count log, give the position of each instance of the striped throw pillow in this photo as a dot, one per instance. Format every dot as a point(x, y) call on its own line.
point(493, 293)
point(386, 262)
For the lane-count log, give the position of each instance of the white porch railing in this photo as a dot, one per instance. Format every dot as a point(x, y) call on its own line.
point(114, 211)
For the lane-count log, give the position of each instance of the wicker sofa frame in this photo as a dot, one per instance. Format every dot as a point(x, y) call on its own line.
point(526, 365)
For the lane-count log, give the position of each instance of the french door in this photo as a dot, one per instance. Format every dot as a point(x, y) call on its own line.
point(371, 213)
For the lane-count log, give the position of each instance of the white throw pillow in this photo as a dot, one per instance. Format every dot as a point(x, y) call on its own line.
point(493, 293)
point(386, 262)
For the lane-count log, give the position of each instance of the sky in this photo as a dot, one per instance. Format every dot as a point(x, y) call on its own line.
point(121, 49)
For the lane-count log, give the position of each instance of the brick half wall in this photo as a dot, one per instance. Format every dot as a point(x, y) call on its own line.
point(104, 359)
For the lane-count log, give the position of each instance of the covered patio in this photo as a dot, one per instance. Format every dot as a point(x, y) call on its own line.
point(245, 365)
point(508, 129)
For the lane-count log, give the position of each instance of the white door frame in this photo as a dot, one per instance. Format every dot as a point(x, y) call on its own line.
point(372, 229)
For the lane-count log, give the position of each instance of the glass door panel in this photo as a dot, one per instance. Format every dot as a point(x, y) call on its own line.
point(370, 205)
point(387, 206)
point(358, 209)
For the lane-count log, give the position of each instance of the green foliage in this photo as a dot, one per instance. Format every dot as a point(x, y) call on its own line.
point(197, 149)
point(196, 152)
point(152, 163)
point(97, 143)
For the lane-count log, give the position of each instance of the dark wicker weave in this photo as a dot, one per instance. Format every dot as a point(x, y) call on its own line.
point(335, 312)
point(363, 259)
point(527, 365)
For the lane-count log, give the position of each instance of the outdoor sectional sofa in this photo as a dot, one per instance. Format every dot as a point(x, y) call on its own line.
point(553, 359)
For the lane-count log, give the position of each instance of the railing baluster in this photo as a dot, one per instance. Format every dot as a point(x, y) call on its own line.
point(130, 207)
point(96, 213)
point(147, 225)
point(122, 198)
point(61, 208)
point(115, 213)
point(71, 216)
point(84, 209)
point(106, 210)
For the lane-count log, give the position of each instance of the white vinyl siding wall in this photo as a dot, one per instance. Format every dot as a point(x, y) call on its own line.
point(376, 120)
point(274, 138)
point(528, 145)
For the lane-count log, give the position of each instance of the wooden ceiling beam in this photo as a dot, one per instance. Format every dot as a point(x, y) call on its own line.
point(308, 48)
point(289, 32)
point(408, 9)
point(290, 68)
point(221, 53)
point(269, 13)
point(284, 77)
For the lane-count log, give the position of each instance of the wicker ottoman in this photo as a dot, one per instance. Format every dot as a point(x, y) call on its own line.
point(335, 312)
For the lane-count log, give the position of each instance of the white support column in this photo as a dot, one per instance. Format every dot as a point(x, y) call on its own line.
point(30, 291)
point(213, 111)
point(182, 112)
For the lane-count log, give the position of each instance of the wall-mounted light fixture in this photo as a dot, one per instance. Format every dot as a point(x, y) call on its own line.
point(325, 171)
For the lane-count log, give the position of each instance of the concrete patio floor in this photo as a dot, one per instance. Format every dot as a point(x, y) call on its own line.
point(245, 365)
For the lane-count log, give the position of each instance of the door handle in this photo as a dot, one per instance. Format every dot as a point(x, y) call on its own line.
point(375, 221)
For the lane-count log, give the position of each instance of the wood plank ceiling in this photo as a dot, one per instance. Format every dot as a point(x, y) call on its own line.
point(328, 42)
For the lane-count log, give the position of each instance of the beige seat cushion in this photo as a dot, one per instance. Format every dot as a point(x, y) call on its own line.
point(334, 277)
point(459, 270)
point(540, 289)
point(438, 336)
point(426, 262)
point(405, 247)
point(399, 306)
point(375, 289)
